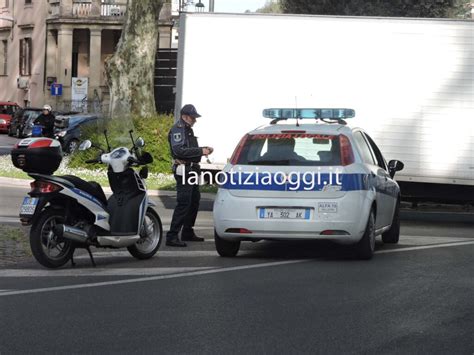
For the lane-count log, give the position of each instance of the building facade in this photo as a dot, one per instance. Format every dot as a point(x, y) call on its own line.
point(52, 43)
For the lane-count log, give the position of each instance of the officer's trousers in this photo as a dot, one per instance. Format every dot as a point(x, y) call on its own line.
point(185, 213)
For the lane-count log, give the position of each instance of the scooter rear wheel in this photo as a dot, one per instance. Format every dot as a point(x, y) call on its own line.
point(48, 249)
point(151, 233)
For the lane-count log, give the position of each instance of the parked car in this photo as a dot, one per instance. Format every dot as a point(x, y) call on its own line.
point(22, 121)
point(7, 110)
point(71, 129)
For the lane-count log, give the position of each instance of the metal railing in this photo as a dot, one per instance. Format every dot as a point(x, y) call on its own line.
point(114, 9)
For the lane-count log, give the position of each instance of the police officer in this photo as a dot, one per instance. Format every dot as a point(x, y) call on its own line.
point(46, 119)
point(186, 155)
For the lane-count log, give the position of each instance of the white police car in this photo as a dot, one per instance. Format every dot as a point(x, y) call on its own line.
point(307, 175)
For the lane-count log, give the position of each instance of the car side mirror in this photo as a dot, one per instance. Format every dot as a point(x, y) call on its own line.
point(85, 145)
point(394, 166)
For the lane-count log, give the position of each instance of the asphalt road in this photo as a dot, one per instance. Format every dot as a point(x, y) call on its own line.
point(6, 143)
point(287, 297)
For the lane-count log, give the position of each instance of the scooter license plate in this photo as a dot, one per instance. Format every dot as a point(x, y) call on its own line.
point(28, 206)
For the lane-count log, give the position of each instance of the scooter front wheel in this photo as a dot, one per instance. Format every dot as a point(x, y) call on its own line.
point(151, 236)
point(48, 249)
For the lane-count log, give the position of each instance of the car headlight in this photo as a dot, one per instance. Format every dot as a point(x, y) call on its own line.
point(2, 121)
point(61, 133)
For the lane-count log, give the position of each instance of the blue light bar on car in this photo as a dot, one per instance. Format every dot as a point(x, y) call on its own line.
point(308, 113)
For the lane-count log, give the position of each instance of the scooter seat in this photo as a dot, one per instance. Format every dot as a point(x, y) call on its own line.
point(90, 187)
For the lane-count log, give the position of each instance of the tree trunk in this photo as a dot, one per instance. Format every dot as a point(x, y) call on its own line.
point(130, 71)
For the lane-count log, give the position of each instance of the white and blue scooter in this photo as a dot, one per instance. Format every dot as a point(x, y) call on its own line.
point(66, 212)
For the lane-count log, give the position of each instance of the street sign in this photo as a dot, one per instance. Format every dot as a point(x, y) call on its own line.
point(57, 89)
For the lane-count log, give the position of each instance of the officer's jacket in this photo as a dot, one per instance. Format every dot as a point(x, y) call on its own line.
point(183, 143)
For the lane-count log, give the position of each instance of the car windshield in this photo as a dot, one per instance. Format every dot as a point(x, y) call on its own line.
point(30, 115)
point(291, 149)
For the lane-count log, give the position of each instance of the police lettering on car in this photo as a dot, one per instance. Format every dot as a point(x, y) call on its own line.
point(186, 155)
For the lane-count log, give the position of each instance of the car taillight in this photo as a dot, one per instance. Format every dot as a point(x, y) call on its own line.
point(43, 143)
point(44, 187)
point(238, 150)
point(347, 155)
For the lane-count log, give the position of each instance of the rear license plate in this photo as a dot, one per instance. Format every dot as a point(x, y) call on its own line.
point(284, 213)
point(28, 206)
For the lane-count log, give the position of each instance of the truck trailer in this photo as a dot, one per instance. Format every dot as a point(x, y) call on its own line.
point(409, 80)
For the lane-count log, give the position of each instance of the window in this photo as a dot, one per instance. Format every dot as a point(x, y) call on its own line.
point(364, 149)
point(291, 149)
point(28, 2)
point(376, 151)
point(25, 56)
point(4, 57)
point(5, 3)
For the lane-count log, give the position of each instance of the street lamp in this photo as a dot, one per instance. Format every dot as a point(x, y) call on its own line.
point(199, 6)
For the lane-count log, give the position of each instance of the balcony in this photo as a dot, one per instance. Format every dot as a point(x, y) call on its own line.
point(88, 9)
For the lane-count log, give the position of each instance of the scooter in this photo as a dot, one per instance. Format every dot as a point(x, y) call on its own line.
point(67, 212)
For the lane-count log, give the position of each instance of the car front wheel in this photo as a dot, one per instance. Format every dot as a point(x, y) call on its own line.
point(393, 234)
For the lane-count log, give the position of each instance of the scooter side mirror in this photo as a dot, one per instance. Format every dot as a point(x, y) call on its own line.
point(85, 145)
point(140, 142)
point(144, 172)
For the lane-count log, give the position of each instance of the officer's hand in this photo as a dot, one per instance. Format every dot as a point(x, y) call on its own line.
point(207, 150)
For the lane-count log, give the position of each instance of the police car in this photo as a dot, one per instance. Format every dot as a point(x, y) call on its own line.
point(307, 175)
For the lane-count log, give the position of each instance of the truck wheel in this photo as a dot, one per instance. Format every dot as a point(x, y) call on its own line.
point(226, 248)
point(366, 246)
point(393, 234)
point(151, 236)
point(47, 248)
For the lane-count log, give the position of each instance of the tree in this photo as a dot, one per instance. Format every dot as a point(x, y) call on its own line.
point(130, 71)
point(270, 7)
point(394, 8)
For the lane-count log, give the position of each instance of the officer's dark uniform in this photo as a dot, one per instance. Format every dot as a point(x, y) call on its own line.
point(185, 149)
point(47, 121)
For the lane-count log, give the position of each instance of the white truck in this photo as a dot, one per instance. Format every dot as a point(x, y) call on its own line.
point(410, 81)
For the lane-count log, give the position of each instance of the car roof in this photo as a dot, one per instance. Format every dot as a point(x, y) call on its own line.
point(317, 128)
point(32, 109)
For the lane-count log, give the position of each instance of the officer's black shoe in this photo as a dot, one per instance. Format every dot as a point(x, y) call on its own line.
point(175, 243)
point(191, 237)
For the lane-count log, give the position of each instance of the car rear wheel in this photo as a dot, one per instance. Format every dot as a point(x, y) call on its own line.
point(366, 246)
point(226, 248)
point(393, 234)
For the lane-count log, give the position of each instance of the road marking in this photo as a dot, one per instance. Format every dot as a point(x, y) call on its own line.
point(161, 253)
point(210, 271)
point(422, 247)
point(151, 278)
point(98, 272)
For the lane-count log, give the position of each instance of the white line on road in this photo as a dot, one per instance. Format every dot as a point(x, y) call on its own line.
point(207, 272)
point(99, 272)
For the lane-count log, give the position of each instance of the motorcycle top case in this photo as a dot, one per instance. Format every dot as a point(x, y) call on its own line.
point(37, 155)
